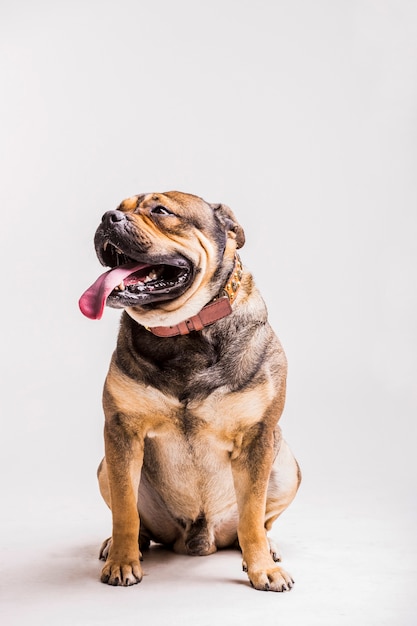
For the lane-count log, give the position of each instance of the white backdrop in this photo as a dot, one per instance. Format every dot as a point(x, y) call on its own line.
point(299, 115)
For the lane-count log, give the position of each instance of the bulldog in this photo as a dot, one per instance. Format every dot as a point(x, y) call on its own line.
point(194, 457)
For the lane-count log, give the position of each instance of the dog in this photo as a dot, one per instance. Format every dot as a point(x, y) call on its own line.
point(194, 457)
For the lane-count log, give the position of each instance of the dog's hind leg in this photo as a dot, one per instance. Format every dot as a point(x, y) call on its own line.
point(103, 482)
point(283, 484)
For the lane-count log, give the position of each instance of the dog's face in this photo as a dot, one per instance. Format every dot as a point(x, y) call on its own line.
point(179, 248)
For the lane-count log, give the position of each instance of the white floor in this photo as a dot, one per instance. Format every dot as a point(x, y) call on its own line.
point(351, 566)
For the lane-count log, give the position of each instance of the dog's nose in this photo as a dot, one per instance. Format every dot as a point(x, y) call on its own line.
point(111, 217)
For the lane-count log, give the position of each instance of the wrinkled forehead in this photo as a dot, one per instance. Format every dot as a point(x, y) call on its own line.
point(183, 204)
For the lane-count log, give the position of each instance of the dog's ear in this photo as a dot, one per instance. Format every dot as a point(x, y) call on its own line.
point(229, 222)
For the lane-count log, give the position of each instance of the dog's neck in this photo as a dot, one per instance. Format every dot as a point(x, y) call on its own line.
point(215, 310)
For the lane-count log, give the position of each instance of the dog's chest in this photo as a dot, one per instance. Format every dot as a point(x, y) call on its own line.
point(188, 463)
point(220, 418)
point(189, 452)
point(189, 444)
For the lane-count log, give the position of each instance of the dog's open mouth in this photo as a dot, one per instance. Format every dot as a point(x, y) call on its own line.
point(135, 282)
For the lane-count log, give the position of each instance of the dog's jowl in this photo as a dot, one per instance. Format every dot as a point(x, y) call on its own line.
point(194, 456)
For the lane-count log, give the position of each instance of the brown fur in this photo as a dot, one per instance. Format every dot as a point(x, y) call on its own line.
point(195, 458)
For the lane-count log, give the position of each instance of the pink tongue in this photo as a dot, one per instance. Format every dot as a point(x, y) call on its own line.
point(93, 301)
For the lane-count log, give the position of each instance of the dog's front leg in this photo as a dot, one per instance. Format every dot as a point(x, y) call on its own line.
point(124, 457)
point(251, 467)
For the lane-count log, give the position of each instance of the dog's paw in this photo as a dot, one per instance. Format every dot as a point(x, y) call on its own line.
point(274, 550)
point(105, 549)
point(121, 574)
point(270, 579)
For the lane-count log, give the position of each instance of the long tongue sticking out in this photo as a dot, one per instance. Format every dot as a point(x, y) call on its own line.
point(93, 301)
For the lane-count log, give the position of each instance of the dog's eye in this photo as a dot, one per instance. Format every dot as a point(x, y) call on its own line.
point(160, 210)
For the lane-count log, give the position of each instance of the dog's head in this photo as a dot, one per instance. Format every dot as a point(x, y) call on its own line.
point(169, 254)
